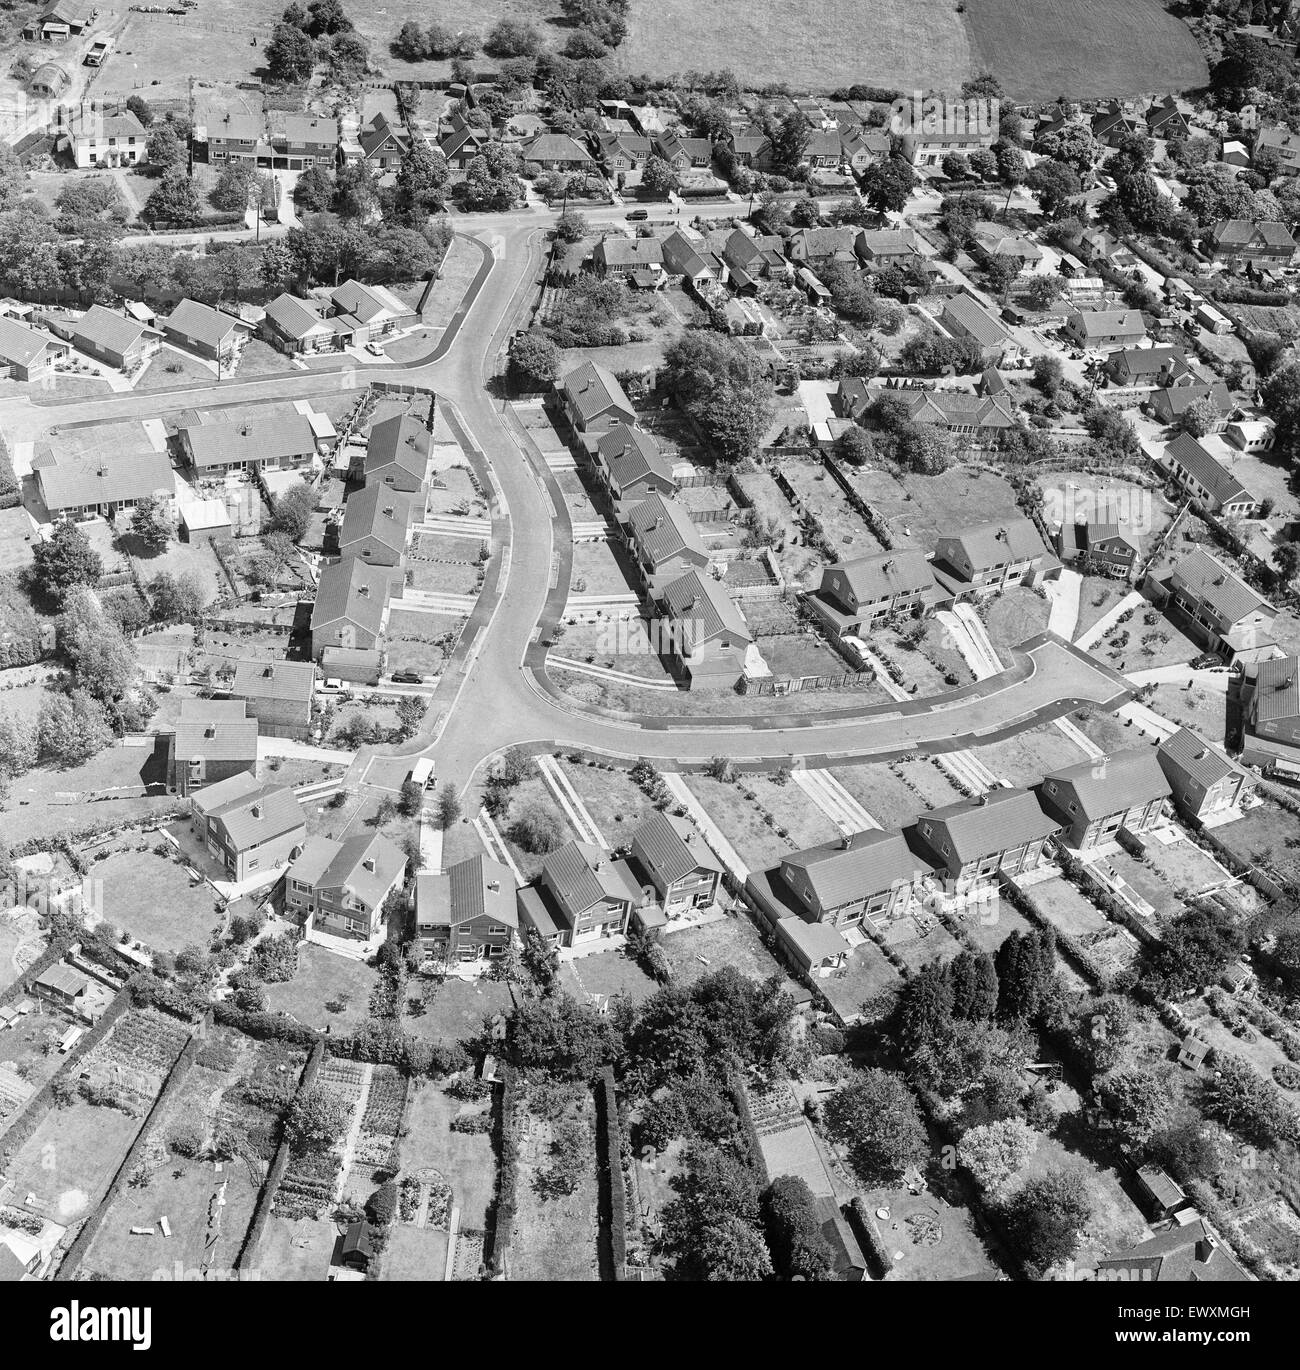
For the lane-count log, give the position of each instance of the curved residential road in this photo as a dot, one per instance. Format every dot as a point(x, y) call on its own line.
point(497, 694)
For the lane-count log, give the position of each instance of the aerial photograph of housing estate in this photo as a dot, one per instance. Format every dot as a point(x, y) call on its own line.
point(619, 673)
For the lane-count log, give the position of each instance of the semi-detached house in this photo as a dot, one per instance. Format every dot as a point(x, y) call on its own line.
point(853, 594)
point(1219, 609)
point(1093, 800)
point(1000, 833)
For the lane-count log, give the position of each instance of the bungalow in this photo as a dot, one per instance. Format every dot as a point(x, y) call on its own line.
point(228, 444)
point(1160, 367)
point(341, 887)
point(593, 399)
point(96, 139)
point(982, 420)
point(207, 331)
point(990, 555)
point(1240, 240)
point(631, 466)
point(751, 258)
point(812, 246)
point(1285, 144)
point(249, 829)
point(397, 454)
point(83, 487)
point(467, 913)
point(618, 256)
point(750, 147)
point(213, 739)
point(994, 242)
point(683, 153)
point(582, 894)
point(383, 144)
point(1221, 611)
point(620, 154)
point(1094, 799)
point(663, 540)
point(377, 525)
point(370, 311)
point(1000, 833)
point(964, 317)
point(676, 860)
point(557, 152)
point(1109, 328)
point(295, 325)
point(351, 608)
point(277, 694)
point(1273, 709)
point(1202, 781)
point(113, 338)
point(1101, 547)
point(881, 247)
point(707, 636)
point(1183, 1255)
point(1252, 435)
point(853, 594)
point(861, 147)
point(691, 258)
point(28, 354)
point(869, 877)
point(1172, 402)
point(1195, 469)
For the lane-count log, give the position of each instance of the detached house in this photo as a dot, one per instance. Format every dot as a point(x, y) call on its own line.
point(881, 247)
point(988, 556)
point(622, 153)
point(631, 466)
point(593, 399)
point(113, 338)
point(1113, 124)
point(812, 246)
point(1160, 367)
point(277, 694)
point(682, 152)
point(1102, 547)
point(677, 861)
point(1166, 120)
point(1202, 781)
point(707, 634)
point(468, 913)
point(557, 152)
point(981, 420)
point(85, 487)
point(1266, 243)
point(351, 608)
point(1220, 610)
point(1000, 833)
point(853, 594)
point(207, 331)
point(1285, 144)
point(620, 256)
point(370, 311)
point(382, 143)
point(1108, 328)
point(1170, 404)
point(295, 325)
point(397, 454)
point(1193, 467)
point(377, 525)
point(97, 139)
point(213, 740)
point(1186, 1254)
point(994, 242)
point(340, 887)
point(582, 894)
point(249, 829)
point(1094, 799)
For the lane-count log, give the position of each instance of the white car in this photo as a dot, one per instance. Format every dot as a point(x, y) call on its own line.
point(332, 686)
point(374, 349)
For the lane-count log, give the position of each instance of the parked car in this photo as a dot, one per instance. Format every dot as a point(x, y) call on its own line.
point(638, 214)
point(374, 349)
point(407, 678)
point(331, 686)
point(1205, 661)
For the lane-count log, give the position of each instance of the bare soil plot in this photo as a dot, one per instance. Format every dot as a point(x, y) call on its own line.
point(921, 676)
point(1148, 882)
point(452, 492)
point(616, 642)
point(1141, 646)
point(938, 647)
point(709, 703)
point(1262, 836)
point(152, 896)
point(1106, 730)
point(422, 642)
point(1204, 711)
point(68, 1162)
point(792, 656)
point(28, 1050)
point(577, 496)
point(325, 977)
point(932, 784)
point(1186, 866)
point(734, 941)
point(845, 529)
point(1014, 615)
point(930, 505)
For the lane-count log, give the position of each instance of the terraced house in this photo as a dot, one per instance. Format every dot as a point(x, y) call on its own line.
point(853, 594)
point(467, 913)
point(340, 887)
point(1094, 799)
point(1003, 832)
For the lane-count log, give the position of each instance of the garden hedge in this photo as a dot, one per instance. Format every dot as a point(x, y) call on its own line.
point(503, 1209)
point(609, 1144)
point(864, 1226)
point(756, 1162)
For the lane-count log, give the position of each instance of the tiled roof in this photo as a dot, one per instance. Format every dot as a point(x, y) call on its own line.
point(216, 730)
point(1109, 323)
point(288, 680)
point(956, 408)
point(290, 127)
point(620, 251)
point(873, 862)
point(1195, 757)
point(347, 868)
point(20, 344)
point(108, 329)
point(1150, 361)
point(888, 242)
point(1277, 690)
point(555, 147)
point(664, 530)
point(881, 575)
point(1186, 1255)
point(1210, 580)
point(671, 847)
point(368, 302)
point(1176, 400)
point(992, 544)
point(73, 482)
point(998, 241)
point(256, 817)
point(630, 454)
point(976, 320)
point(1188, 454)
point(295, 318)
point(1109, 784)
point(824, 242)
point(206, 325)
point(379, 512)
point(349, 589)
point(1004, 820)
point(582, 875)
point(703, 610)
point(593, 389)
point(400, 441)
point(259, 438)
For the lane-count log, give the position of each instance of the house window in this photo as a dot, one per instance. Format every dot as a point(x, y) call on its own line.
point(254, 862)
point(494, 931)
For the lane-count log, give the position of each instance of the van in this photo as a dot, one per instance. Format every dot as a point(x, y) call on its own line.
point(422, 772)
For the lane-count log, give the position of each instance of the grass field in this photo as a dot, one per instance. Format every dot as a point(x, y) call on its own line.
point(322, 975)
point(69, 1160)
point(153, 898)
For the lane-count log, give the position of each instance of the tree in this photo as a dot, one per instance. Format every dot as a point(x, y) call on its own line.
point(1138, 1103)
point(421, 177)
point(994, 1152)
point(173, 201)
point(570, 227)
point(317, 1118)
point(410, 43)
point(794, 1235)
point(1286, 559)
point(491, 180)
point(877, 1119)
point(1025, 965)
point(511, 38)
point(658, 178)
point(293, 510)
point(536, 827)
point(448, 810)
point(956, 167)
point(1102, 1031)
point(567, 1040)
point(349, 57)
point(315, 189)
point(514, 766)
point(1200, 417)
point(65, 559)
point(165, 148)
point(1048, 374)
point(177, 598)
point(534, 360)
point(887, 184)
point(983, 163)
point(139, 106)
point(409, 799)
point(1001, 272)
point(290, 55)
point(1073, 145)
point(924, 1010)
point(789, 138)
point(974, 981)
point(732, 1251)
point(1045, 1218)
point(1214, 193)
point(855, 446)
point(725, 387)
point(150, 526)
point(1194, 951)
point(234, 186)
point(70, 729)
point(381, 1206)
point(924, 448)
point(1242, 1100)
point(710, 1226)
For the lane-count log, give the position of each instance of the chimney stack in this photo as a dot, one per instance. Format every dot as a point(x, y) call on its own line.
point(369, 864)
point(1206, 1246)
point(256, 811)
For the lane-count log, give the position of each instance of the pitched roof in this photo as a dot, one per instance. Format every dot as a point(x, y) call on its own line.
point(620, 251)
point(365, 866)
point(1195, 757)
point(96, 126)
point(296, 318)
point(229, 438)
point(367, 302)
point(1210, 580)
point(555, 147)
point(956, 408)
point(582, 875)
point(1150, 361)
point(234, 125)
point(288, 680)
point(399, 441)
point(870, 863)
point(703, 610)
point(1109, 784)
point(379, 512)
point(881, 575)
point(824, 242)
point(105, 328)
point(631, 455)
point(1189, 1254)
point(257, 817)
point(1243, 232)
point(992, 544)
point(888, 242)
point(201, 322)
point(663, 530)
point(671, 847)
point(63, 978)
point(292, 127)
point(216, 730)
point(1176, 400)
point(999, 241)
point(480, 887)
point(19, 344)
point(967, 312)
point(593, 389)
point(997, 822)
point(351, 590)
point(1277, 690)
point(1109, 323)
point(73, 482)
point(1188, 454)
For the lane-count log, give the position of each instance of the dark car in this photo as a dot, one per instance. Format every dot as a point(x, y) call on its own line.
point(638, 214)
point(407, 678)
point(1205, 661)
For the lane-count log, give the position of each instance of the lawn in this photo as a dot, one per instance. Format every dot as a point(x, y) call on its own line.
point(323, 975)
point(1027, 757)
point(600, 568)
point(457, 1009)
point(414, 1253)
point(616, 805)
point(153, 897)
point(1262, 837)
point(1204, 711)
point(460, 577)
point(743, 821)
point(1065, 906)
point(696, 951)
point(1097, 596)
point(934, 789)
point(864, 975)
point(577, 495)
point(991, 924)
point(170, 368)
point(1012, 616)
point(297, 1249)
point(608, 973)
point(458, 269)
point(881, 791)
point(452, 492)
point(918, 947)
point(422, 642)
point(69, 1160)
point(465, 1160)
